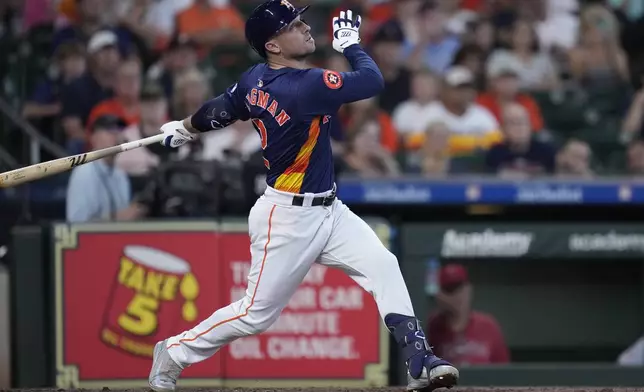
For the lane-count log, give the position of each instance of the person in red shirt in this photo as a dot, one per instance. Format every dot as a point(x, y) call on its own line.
point(459, 334)
point(503, 82)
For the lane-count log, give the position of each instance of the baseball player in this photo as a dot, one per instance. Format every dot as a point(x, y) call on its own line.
point(298, 221)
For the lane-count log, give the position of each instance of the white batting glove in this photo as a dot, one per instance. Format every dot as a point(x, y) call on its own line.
point(175, 134)
point(345, 30)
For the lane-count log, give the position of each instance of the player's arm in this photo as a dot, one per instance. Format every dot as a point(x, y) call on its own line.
point(217, 113)
point(332, 89)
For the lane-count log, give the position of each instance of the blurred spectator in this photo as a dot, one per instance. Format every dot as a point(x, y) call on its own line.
point(598, 60)
point(460, 334)
point(436, 47)
point(191, 90)
point(536, 69)
point(90, 18)
point(210, 23)
point(502, 14)
point(240, 140)
point(365, 113)
point(405, 18)
point(503, 83)
point(81, 95)
point(179, 56)
point(386, 46)
point(10, 18)
point(154, 113)
point(126, 101)
point(558, 30)
point(573, 160)
point(633, 10)
point(633, 123)
point(520, 155)
point(480, 33)
point(411, 116)
point(366, 157)
point(457, 16)
point(433, 159)
point(37, 13)
point(472, 126)
point(635, 158)
point(68, 64)
point(151, 21)
point(98, 190)
point(472, 57)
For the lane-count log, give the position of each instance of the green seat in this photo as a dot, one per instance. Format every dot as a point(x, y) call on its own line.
point(561, 113)
point(612, 100)
point(616, 162)
point(603, 137)
point(474, 163)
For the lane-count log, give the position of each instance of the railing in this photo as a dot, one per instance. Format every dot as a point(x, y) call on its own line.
point(36, 139)
point(8, 159)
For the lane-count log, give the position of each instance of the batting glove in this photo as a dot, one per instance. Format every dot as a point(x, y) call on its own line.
point(345, 31)
point(175, 134)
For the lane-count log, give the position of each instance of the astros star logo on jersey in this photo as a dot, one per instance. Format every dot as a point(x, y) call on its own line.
point(332, 79)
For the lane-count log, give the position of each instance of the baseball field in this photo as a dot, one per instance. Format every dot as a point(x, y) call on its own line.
point(390, 389)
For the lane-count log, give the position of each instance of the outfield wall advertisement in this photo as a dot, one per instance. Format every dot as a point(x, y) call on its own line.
point(120, 288)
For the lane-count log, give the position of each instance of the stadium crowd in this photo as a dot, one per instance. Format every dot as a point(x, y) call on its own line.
point(515, 88)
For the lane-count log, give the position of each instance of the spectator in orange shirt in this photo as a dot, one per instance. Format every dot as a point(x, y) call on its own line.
point(503, 82)
point(210, 26)
point(366, 157)
point(366, 114)
point(125, 103)
point(460, 334)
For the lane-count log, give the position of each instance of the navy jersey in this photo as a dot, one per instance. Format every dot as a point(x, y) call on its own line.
point(293, 111)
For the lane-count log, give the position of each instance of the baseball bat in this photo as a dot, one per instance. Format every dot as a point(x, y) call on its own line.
point(44, 169)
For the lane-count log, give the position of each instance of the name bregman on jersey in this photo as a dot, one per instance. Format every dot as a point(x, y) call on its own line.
point(260, 98)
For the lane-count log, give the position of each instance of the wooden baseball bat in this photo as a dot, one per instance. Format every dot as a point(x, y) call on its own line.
point(34, 172)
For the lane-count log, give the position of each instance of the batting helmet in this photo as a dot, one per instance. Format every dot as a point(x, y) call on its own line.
point(267, 20)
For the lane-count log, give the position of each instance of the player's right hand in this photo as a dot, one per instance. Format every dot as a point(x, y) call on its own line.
point(345, 30)
point(175, 134)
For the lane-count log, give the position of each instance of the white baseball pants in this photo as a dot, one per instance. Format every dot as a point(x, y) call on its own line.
point(285, 242)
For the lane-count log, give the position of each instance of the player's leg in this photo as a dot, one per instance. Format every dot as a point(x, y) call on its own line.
point(285, 242)
point(355, 248)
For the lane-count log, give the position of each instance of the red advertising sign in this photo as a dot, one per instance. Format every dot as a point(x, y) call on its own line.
point(331, 330)
point(120, 288)
point(123, 288)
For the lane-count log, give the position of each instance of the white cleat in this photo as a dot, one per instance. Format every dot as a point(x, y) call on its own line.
point(165, 371)
point(441, 376)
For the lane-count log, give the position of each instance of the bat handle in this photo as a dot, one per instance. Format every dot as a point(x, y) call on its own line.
point(142, 142)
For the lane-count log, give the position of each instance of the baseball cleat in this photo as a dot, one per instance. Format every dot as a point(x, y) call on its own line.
point(165, 371)
point(442, 375)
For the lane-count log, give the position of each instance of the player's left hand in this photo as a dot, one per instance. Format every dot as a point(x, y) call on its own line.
point(345, 30)
point(175, 134)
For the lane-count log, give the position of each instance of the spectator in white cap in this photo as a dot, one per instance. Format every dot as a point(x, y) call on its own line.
point(471, 126)
point(503, 81)
point(80, 96)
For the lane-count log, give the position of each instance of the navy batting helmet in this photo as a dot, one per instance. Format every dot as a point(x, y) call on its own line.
point(267, 20)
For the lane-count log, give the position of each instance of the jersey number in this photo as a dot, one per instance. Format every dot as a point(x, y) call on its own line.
point(261, 128)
